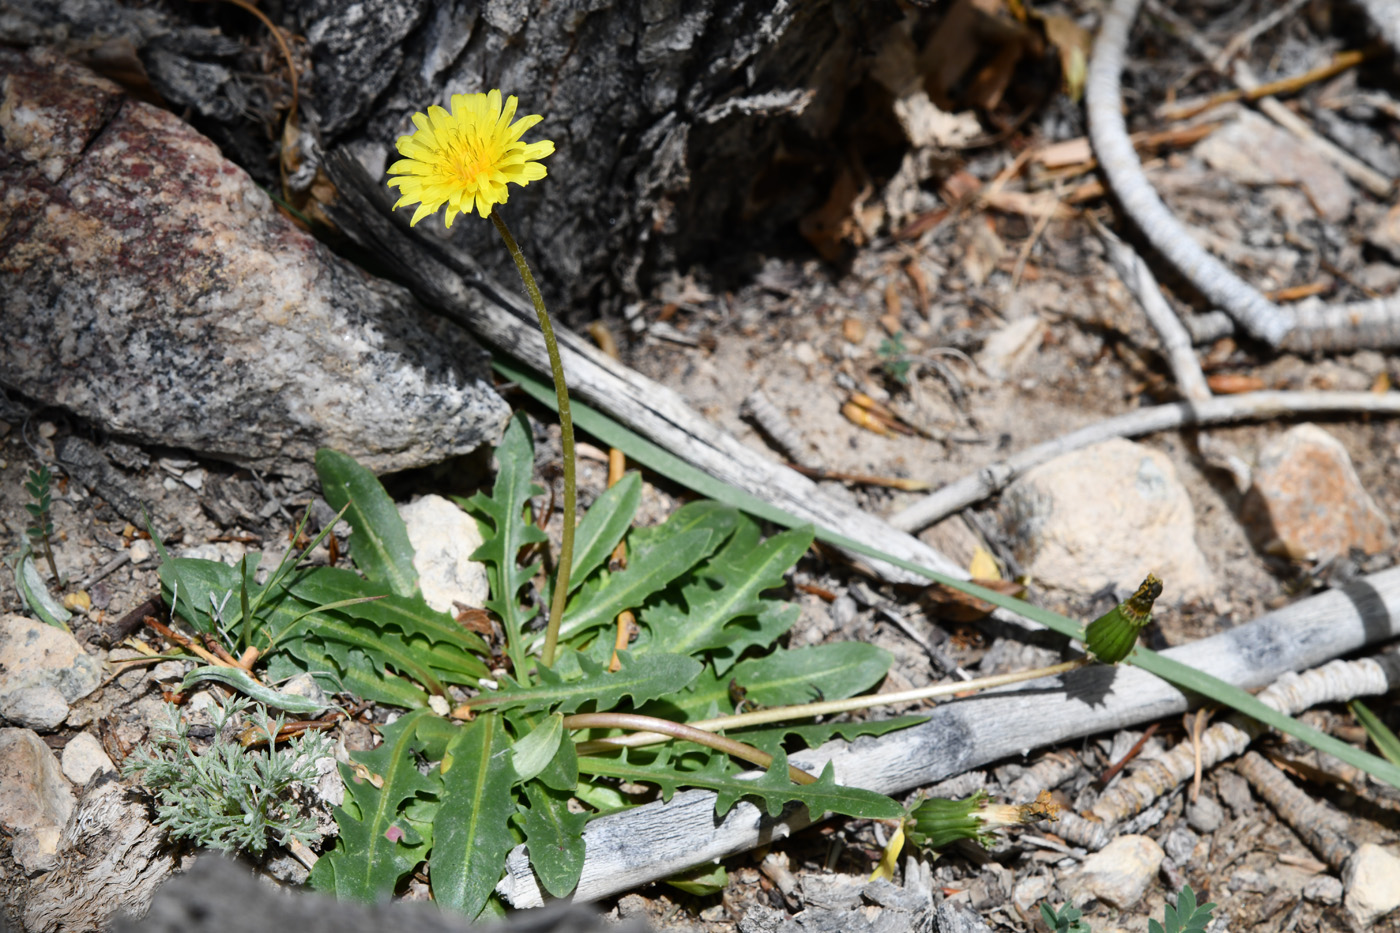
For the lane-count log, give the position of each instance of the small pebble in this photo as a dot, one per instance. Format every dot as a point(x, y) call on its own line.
point(1204, 816)
point(1372, 880)
point(77, 601)
point(1180, 843)
point(1324, 889)
point(140, 551)
point(83, 757)
point(1119, 873)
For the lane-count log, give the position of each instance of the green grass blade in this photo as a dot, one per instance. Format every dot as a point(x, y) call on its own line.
point(1381, 736)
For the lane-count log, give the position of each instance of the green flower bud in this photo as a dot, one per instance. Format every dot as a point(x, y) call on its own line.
point(1112, 635)
point(937, 821)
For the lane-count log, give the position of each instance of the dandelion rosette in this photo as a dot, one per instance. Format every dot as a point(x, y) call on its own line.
point(467, 157)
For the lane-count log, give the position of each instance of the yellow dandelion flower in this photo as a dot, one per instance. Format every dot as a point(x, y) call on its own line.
point(467, 157)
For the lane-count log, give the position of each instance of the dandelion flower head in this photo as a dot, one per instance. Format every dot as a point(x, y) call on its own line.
point(467, 157)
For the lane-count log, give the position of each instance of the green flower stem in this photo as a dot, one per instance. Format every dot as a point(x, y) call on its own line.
point(829, 707)
point(566, 434)
point(676, 730)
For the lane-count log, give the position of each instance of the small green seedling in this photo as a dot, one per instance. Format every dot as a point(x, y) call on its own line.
point(1186, 917)
point(41, 532)
point(893, 358)
point(1065, 921)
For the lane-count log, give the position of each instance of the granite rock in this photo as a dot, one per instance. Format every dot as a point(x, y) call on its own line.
point(151, 287)
point(42, 670)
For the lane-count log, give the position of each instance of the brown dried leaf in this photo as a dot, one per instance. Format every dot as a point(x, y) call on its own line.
point(957, 606)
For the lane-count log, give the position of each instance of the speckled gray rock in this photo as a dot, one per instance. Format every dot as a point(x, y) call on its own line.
point(150, 286)
point(42, 709)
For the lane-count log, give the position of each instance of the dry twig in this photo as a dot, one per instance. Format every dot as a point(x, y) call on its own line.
point(1220, 409)
point(1309, 327)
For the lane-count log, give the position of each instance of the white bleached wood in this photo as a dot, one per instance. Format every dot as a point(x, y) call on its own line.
point(1176, 342)
point(1309, 327)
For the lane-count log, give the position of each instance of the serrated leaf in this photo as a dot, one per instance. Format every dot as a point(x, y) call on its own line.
point(379, 543)
point(815, 734)
point(372, 854)
point(642, 678)
point(648, 572)
point(702, 513)
point(340, 668)
point(554, 838)
point(773, 787)
point(382, 647)
point(410, 615)
point(726, 588)
point(757, 632)
point(508, 533)
point(802, 675)
point(471, 829)
point(608, 519)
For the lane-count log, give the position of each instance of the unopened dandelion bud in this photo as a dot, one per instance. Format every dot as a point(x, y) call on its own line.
point(1112, 635)
point(937, 821)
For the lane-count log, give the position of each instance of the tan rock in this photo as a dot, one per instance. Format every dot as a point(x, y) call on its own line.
point(83, 757)
point(1307, 502)
point(1119, 873)
point(1107, 515)
point(35, 800)
point(1372, 881)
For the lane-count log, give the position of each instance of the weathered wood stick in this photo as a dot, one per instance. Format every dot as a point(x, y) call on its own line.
point(656, 841)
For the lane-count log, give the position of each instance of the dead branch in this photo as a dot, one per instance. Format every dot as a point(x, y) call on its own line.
point(1220, 409)
point(1176, 342)
point(1309, 327)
